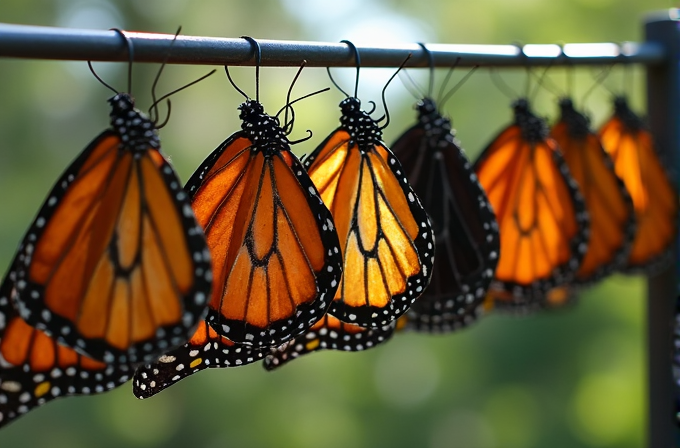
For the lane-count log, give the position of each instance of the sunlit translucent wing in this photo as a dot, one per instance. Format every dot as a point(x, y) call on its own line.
point(206, 349)
point(330, 333)
point(612, 218)
point(276, 254)
point(35, 369)
point(385, 235)
point(541, 214)
point(631, 148)
point(465, 228)
point(115, 264)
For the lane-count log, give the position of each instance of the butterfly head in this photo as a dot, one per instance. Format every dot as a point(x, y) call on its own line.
point(137, 132)
point(363, 130)
point(578, 124)
point(262, 129)
point(534, 129)
point(429, 117)
point(626, 115)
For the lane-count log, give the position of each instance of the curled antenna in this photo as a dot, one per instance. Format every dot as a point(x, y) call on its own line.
point(233, 84)
point(357, 60)
point(167, 95)
point(458, 85)
point(501, 84)
point(290, 90)
point(89, 64)
point(547, 83)
point(153, 110)
point(258, 61)
point(430, 61)
point(373, 106)
point(386, 117)
point(290, 105)
point(130, 52)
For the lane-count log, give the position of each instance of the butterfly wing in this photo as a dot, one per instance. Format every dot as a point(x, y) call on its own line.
point(114, 263)
point(329, 333)
point(654, 198)
point(206, 349)
point(385, 234)
point(612, 218)
point(276, 255)
point(465, 227)
point(541, 216)
point(35, 369)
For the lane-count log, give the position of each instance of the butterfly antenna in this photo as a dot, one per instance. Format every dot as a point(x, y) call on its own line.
point(357, 60)
point(447, 78)
point(89, 64)
point(167, 95)
point(458, 85)
point(373, 106)
point(384, 101)
point(413, 88)
point(599, 81)
point(430, 61)
point(233, 84)
point(290, 104)
point(540, 81)
point(154, 102)
point(290, 90)
point(502, 85)
point(328, 69)
point(130, 51)
point(258, 62)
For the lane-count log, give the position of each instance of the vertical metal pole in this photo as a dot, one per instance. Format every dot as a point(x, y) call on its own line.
point(663, 97)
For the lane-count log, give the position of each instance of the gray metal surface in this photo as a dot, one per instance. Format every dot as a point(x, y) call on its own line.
point(38, 42)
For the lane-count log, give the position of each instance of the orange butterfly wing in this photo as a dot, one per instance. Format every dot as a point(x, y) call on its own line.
point(540, 211)
point(275, 250)
point(654, 198)
point(35, 369)
point(385, 235)
point(115, 263)
point(612, 218)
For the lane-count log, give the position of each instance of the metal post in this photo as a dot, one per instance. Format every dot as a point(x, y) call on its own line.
point(663, 97)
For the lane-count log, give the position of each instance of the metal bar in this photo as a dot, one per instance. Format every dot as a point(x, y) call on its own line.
point(663, 98)
point(37, 42)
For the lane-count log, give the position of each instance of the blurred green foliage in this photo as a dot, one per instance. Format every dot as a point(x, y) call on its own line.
point(569, 378)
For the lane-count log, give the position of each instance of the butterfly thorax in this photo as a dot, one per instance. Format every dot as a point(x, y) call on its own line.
point(362, 129)
point(577, 123)
point(626, 115)
point(263, 130)
point(533, 128)
point(137, 132)
point(435, 124)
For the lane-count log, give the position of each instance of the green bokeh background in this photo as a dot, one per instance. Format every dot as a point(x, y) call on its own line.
point(570, 378)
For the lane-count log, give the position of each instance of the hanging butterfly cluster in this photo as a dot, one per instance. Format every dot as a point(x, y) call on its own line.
point(125, 274)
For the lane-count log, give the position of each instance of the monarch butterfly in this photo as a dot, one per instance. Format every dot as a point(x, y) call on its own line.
point(204, 350)
point(35, 369)
point(386, 238)
point(631, 148)
point(329, 333)
point(275, 250)
point(541, 214)
point(612, 218)
point(115, 264)
point(465, 227)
